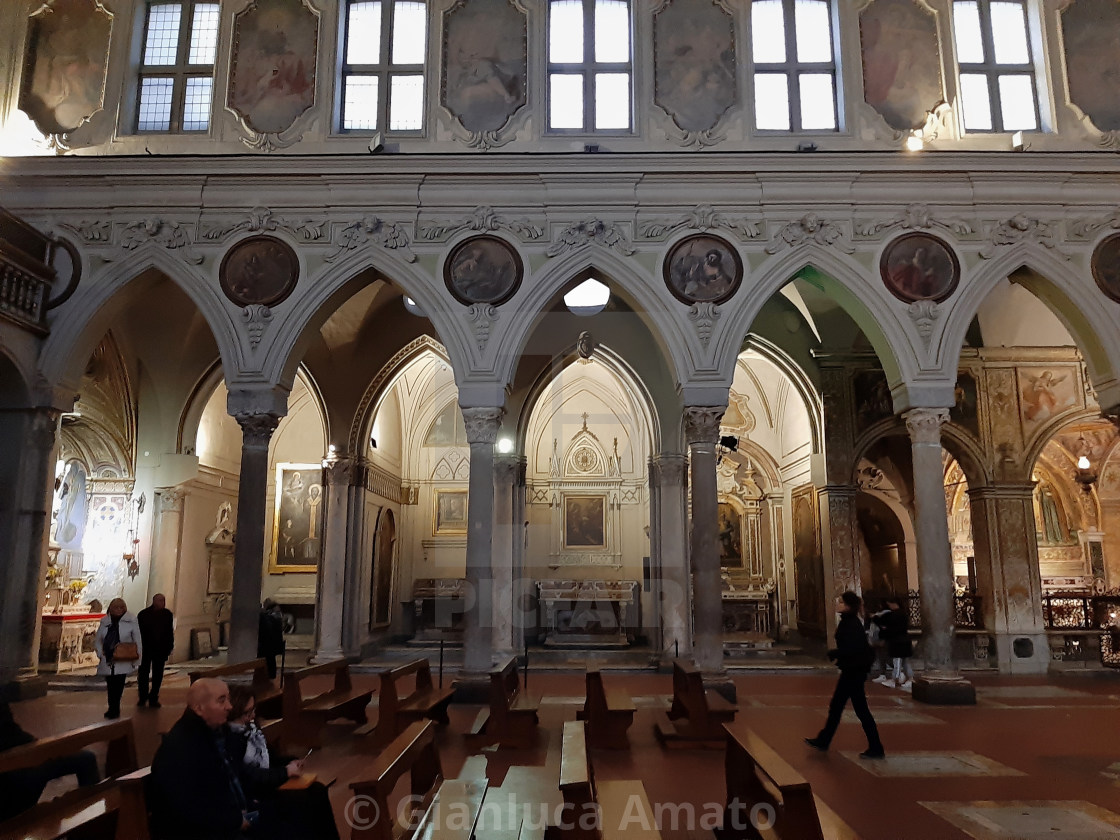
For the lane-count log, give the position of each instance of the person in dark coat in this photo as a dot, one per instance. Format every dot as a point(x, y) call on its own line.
point(195, 790)
point(853, 656)
point(270, 635)
point(22, 788)
point(300, 814)
point(894, 632)
point(157, 629)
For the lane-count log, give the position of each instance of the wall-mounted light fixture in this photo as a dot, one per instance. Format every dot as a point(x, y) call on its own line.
point(1086, 476)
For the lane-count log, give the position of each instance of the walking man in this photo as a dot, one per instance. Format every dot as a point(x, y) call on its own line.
point(853, 656)
point(157, 630)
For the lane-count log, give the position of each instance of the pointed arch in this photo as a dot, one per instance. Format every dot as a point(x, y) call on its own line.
point(853, 288)
point(1092, 320)
point(802, 385)
point(85, 318)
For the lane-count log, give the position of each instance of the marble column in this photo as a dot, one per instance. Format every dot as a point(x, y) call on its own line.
point(22, 585)
point(330, 594)
point(669, 533)
point(940, 683)
point(248, 554)
point(508, 469)
point(482, 426)
point(702, 432)
point(359, 575)
point(166, 552)
point(1006, 550)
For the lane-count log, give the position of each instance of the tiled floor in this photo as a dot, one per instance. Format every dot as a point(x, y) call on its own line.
point(1036, 757)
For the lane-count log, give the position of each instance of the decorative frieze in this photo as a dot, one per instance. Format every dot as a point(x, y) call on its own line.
point(484, 218)
point(703, 217)
point(376, 231)
point(591, 232)
point(916, 217)
point(1020, 229)
point(809, 228)
point(262, 220)
point(1085, 228)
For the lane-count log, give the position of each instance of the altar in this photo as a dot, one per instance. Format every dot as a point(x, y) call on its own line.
point(435, 612)
point(748, 610)
point(66, 641)
point(583, 613)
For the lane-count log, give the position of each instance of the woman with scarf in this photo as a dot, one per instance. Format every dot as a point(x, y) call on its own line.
point(118, 627)
point(297, 814)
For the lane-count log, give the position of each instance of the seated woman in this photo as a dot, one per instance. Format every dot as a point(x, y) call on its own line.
point(300, 814)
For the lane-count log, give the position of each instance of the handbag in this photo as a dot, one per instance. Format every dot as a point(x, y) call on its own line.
point(126, 652)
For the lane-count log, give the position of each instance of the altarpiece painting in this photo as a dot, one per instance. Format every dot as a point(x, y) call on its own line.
point(297, 530)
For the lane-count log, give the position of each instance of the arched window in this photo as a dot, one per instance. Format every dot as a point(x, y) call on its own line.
point(176, 80)
point(589, 65)
point(997, 78)
point(384, 44)
point(794, 65)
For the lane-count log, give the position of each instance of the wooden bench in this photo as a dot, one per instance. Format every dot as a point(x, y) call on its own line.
point(611, 810)
point(697, 715)
point(93, 808)
point(511, 720)
point(395, 710)
point(304, 718)
point(757, 775)
point(269, 695)
point(413, 752)
point(608, 713)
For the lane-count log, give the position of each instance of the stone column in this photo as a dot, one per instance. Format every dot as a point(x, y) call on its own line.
point(165, 555)
point(355, 614)
point(330, 593)
point(669, 532)
point(702, 433)
point(940, 683)
point(248, 554)
point(507, 531)
point(1007, 562)
point(22, 585)
point(482, 430)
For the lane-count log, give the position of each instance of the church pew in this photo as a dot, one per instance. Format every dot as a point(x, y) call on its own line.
point(396, 709)
point(413, 752)
point(696, 716)
point(511, 720)
point(608, 713)
point(268, 694)
point(305, 717)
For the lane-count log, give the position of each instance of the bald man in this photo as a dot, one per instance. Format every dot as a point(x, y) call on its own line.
point(157, 631)
point(195, 789)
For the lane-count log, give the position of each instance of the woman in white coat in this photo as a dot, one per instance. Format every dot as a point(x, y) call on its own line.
point(117, 627)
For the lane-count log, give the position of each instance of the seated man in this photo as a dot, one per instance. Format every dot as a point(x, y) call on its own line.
point(22, 788)
point(194, 788)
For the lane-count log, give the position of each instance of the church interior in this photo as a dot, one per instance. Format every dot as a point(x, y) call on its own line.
point(587, 336)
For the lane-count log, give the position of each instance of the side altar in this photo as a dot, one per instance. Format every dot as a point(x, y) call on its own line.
point(581, 613)
point(66, 642)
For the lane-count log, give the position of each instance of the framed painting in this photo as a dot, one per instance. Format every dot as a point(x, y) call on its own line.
point(1045, 393)
point(1106, 266)
point(259, 270)
point(1089, 30)
point(297, 528)
point(901, 62)
point(67, 61)
point(965, 403)
point(272, 71)
point(918, 266)
point(483, 269)
point(450, 512)
point(484, 63)
point(808, 568)
point(730, 536)
point(694, 59)
point(219, 580)
point(703, 269)
point(585, 524)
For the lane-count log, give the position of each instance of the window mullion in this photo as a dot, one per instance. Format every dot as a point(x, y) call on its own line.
point(792, 65)
point(588, 65)
point(385, 72)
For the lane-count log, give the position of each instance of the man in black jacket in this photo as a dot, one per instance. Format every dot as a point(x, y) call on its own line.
point(157, 636)
point(853, 656)
point(195, 790)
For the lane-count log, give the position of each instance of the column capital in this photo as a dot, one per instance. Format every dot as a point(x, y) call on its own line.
point(701, 423)
point(257, 428)
point(924, 424)
point(669, 469)
point(509, 469)
point(343, 471)
point(1009, 490)
point(171, 499)
point(482, 423)
point(44, 428)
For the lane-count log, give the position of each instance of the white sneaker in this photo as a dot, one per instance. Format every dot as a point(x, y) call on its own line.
point(907, 686)
point(882, 679)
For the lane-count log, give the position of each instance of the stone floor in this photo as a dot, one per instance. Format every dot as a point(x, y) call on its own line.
point(1036, 757)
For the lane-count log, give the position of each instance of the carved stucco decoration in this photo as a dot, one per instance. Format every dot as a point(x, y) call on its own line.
point(92, 233)
point(485, 70)
point(371, 229)
point(924, 314)
point(482, 317)
point(916, 217)
point(272, 71)
point(170, 235)
point(941, 122)
point(261, 220)
point(592, 231)
point(704, 217)
point(256, 318)
point(483, 218)
point(1022, 229)
point(482, 424)
point(1085, 228)
point(809, 228)
point(1003, 419)
point(704, 316)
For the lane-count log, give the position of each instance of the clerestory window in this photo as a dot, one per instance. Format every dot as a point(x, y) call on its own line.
point(590, 67)
point(175, 88)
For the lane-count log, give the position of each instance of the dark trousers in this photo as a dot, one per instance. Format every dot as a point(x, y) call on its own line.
point(297, 815)
point(155, 666)
point(850, 687)
point(22, 788)
point(115, 684)
point(270, 664)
